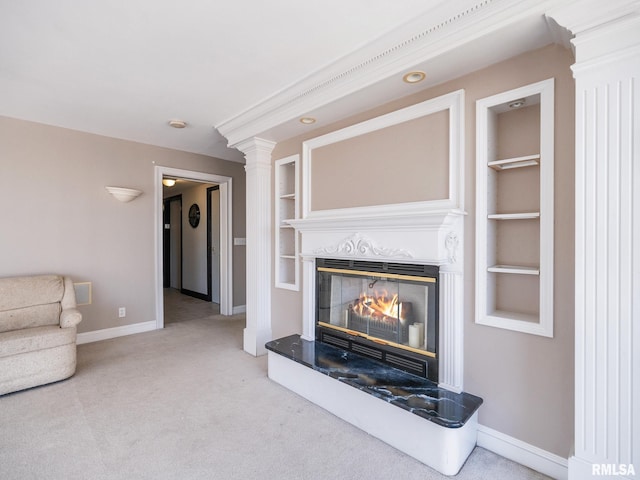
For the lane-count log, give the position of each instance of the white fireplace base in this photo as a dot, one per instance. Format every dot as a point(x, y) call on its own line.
point(441, 448)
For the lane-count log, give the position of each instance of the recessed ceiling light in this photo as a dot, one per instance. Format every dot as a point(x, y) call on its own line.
point(414, 77)
point(517, 103)
point(177, 123)
point(307, 120)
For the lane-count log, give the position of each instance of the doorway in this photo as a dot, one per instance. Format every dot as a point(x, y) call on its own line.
point(213, 244)
point(172, 242)
point(220, 240)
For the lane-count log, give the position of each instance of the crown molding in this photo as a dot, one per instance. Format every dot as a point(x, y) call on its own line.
point(255, 144)
point(579, 16)
point(443, 29)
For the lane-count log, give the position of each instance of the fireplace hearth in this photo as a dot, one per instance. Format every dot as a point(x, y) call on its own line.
point(430, 423)
point(385, 311)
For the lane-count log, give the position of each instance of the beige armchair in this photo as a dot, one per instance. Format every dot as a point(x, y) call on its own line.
point(38, 318)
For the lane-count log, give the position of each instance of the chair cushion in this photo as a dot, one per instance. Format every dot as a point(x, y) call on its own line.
point(38, 338)
point(30, 317)
point(20, 292)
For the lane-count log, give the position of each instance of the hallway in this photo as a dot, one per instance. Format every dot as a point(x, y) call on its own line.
point(181, 308)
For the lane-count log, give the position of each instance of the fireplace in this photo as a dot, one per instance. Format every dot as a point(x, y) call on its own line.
point(383, 310)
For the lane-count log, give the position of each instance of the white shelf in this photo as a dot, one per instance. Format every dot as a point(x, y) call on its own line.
point(516, 269)
point(514, 216)
point(516, 162)
point(286, 244)
point(520, 317)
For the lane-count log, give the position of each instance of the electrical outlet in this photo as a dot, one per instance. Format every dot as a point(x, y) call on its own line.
point(122, 312)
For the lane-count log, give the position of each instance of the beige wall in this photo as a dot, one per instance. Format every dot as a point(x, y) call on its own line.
point(58, 217)
point(526, 380)
point(370, 166)
point(194, 241)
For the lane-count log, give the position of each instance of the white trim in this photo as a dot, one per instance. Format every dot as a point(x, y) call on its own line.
point(607, 232)
point(523, 453)
point(239, 309)
point(485, 314)
point(430, 232)
point(114, 332)
point(581, 469)
point(291, 161)
point(226, 240)
point(453, 102)
point(436, 33)
point(451, 336)
point(257, 332)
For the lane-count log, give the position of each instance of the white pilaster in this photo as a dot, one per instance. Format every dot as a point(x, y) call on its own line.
point(607, 281)
point(451, 351)
point(308, 298)
point(259, 233)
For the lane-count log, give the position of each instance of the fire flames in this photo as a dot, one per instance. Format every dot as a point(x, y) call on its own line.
point(380, 306)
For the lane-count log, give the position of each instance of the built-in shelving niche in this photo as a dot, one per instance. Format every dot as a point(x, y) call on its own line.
point(286, 241)
point(514, 209)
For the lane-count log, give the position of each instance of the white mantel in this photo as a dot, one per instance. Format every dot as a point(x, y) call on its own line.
point(400, 233)
point(429, 237)
point(424, 232)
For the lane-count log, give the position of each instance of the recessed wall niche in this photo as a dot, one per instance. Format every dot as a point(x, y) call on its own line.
point(514, 209)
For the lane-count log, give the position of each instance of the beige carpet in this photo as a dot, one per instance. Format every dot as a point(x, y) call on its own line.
point(187, 403)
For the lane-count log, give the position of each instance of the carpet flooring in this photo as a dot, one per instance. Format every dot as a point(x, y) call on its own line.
point(187, 402)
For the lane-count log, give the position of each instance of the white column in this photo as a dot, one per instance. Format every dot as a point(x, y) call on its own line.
point(607, 356)
point(451, 352)
point(451, 349)
point(308, 298)
point(259, 233)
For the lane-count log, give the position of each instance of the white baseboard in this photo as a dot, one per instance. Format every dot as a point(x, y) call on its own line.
point(105, 334)
point(580, 469)
point(523, 453)
point(239, 309)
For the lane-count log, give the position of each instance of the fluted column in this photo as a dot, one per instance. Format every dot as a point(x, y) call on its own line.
point(308, 297)
point(607, 275)
point(259, 233)
point(451, 353)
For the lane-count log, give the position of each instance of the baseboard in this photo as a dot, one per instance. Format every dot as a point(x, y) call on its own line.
point(523, 453)
point(239, 309)
point(105, 334)
point(198, 295)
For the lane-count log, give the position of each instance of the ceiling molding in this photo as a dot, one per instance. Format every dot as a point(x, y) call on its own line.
point(450, 26)
point(578, 16)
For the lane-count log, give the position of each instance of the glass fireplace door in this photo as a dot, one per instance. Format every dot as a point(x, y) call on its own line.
point(393, 309)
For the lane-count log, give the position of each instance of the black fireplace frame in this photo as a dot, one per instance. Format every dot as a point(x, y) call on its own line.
point(422, 365)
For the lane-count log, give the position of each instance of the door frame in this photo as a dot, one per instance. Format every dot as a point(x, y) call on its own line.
point(210, 227)
point(226, 235)
point(166, 239)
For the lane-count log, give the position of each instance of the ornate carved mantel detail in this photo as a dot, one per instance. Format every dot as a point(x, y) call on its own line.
point(451, 244)
point(358, 245)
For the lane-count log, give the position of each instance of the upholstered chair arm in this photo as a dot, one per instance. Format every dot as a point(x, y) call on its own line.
point(69, 296)
point(70, 317)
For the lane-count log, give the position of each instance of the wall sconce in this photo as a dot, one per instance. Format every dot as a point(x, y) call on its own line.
point(168, 182)
point(124, 194)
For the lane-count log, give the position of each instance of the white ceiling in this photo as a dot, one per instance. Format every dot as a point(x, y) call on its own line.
point(124, 69)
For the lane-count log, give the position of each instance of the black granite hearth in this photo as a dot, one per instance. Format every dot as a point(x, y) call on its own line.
point(412, 393)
